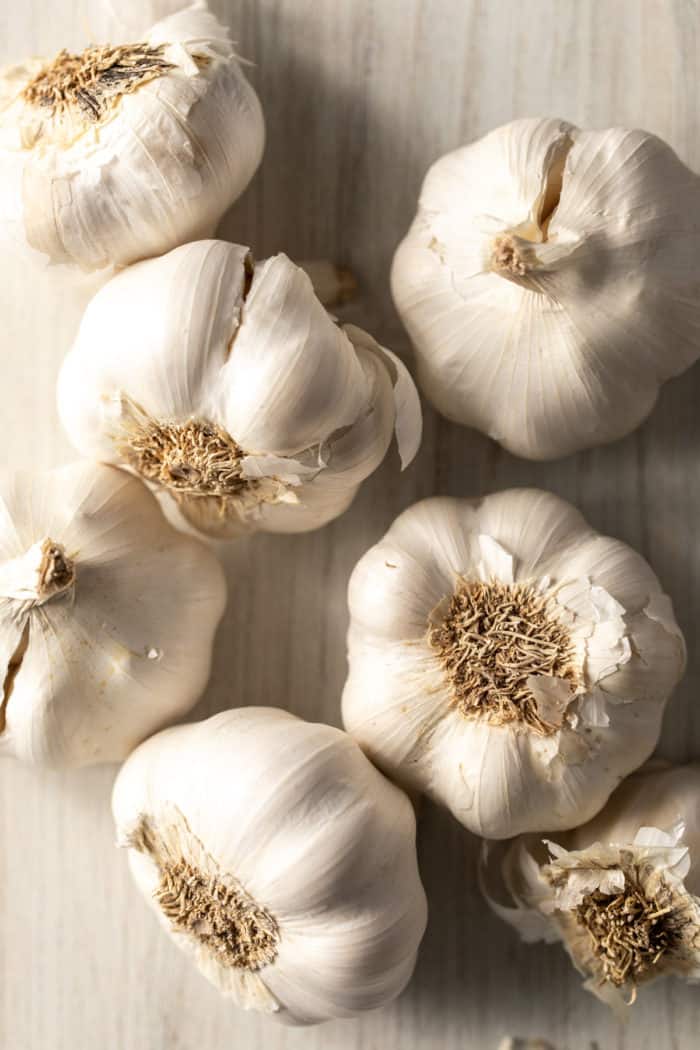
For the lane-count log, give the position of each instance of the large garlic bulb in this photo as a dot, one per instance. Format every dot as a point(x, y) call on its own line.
point(622, 893)
point(279, 859)
point(107, 615)
point(228, 386)
point(507, 660)
point(549, 283)
point(121, 153)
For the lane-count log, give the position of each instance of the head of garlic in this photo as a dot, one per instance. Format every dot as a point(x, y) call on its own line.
point(226, 385)
point(279, 859)
point(549, 283)
point(121, 153)
point(107, 615)
point(507, 660)
point(622, 893)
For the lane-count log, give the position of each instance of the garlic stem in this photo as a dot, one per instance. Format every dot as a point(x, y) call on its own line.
point(333, 285)
point(43, 572)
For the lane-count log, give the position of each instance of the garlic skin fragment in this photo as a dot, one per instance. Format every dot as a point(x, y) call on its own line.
point(107, 616)
point(644, 845)
point(549, 283)
point(308, 847)
point(227, 386)
point(136, 163)
point(524, 709)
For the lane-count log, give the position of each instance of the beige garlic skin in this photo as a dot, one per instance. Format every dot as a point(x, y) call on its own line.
point(507, 660)
point(279, 859)
point(121, 153)
point(549, 283)
point(621, 893)
point(107, 616)
point(227, 386)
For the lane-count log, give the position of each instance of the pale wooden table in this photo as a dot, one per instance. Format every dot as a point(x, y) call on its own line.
point(360, 97)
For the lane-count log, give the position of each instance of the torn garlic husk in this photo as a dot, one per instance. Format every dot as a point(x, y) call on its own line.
point(279, 859)
point(508, 660)
point(123, 152)
point(540, 280)
point(227, 386)
point(621, 893)
point(107, 615)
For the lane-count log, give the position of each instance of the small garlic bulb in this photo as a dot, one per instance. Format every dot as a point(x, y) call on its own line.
point(107, 615)
point(549, 283)
point(279, 859)
point(622, 893)
point(228, 387)
point(507, 660)
point(121, 153)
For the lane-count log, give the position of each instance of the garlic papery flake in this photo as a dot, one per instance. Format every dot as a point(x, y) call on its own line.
point(622, 893)
point(107, 615)
point(549, 283)
point(507, 660)
point(121, 153)
point(227, 386)
point(279, 858)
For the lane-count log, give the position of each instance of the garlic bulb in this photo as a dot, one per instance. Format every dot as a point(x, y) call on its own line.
point(107, 615)
point(549, 283)
point(622, 893)
point(279, 859)
point(227, 386)
point(121, 153)
point(507, 660)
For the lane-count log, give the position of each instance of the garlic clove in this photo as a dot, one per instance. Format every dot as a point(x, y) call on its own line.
point(97, 645)
point(150, 154)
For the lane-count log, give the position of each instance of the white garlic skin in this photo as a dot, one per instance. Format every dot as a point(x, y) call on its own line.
point(300, 818)
point(571, 353)
point(127, 648)
point(501, 780)
point(196, 334)
point(159, 170)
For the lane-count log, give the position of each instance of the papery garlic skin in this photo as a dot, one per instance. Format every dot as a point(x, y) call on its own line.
point(141, 172)
point(645, 840)
point(549, 281)
point(548, 761)
point(228, 386)
point(291, 818)
point(107, 616)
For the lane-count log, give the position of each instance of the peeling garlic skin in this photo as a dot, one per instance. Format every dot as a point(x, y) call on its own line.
point(525, 709)
point(107, 616)
point(227, 386)
point(289, 830)
point(540, 280)
point(639, 857)
point(107, 178)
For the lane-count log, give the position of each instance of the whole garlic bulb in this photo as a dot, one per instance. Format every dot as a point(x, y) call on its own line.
point(121, 153)
point(227, 386)
point(107, 615)
point(549, 283)
point(507, 660)
point(277, 857)
point(622, 893)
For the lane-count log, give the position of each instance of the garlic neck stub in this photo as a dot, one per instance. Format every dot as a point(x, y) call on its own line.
point(539, 279)
point(507, 660)
point(279, 859)
point(620, 892)
point(493, 639)
point(106, 624)
point(226, 386)
point(122, 152)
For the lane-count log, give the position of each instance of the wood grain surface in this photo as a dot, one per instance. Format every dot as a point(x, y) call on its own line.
point(360, 97)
